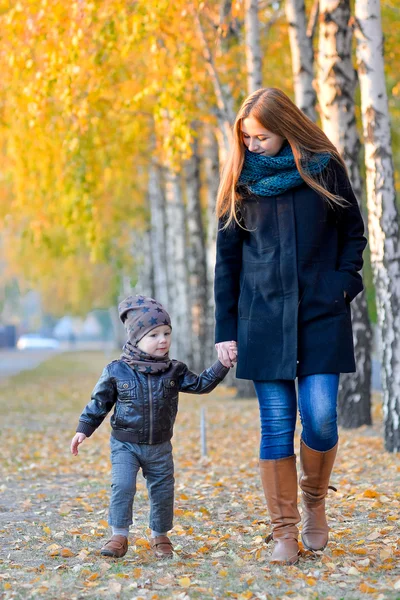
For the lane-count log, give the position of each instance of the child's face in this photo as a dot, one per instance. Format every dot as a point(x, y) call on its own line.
point(157, 341)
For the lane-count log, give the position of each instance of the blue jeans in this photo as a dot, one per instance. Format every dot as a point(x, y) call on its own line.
point(158, 469)
point(317, 397)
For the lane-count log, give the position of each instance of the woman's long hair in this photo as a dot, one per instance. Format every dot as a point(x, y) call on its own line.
point(277, 113)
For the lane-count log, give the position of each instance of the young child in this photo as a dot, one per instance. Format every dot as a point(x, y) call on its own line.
point(143, 387)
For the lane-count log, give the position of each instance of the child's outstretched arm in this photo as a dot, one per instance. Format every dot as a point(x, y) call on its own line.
point(205, 382)
point(103, 399)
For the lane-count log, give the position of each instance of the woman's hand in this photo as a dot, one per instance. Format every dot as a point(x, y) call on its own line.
point(76, 440)
point(227, 353)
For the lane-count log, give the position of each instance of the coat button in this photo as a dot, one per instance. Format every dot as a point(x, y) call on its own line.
point(298, 362)
point(125, 385)
point(172, 383)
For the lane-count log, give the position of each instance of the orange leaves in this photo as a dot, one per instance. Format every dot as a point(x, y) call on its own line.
point(367, 589)
point(370, 494)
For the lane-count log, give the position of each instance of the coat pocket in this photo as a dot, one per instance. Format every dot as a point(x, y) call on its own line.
point(170, 388)
point(334, 288)
point(126, 389)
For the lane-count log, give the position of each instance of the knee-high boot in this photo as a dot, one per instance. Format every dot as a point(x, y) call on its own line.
point(316, 469)
point(279, 480)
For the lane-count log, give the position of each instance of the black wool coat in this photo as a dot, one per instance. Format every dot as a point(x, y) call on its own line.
point(279, 286)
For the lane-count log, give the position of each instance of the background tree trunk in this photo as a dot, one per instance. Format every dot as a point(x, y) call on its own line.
point(253, 47)
point(383, 218)
point(175, 262)
point(196, 259)
point(211, 168)
point(302, 57)
point(336, 89)
point(158, 229)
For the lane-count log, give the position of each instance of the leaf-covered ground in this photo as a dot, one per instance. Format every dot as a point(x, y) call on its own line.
point(53, 506)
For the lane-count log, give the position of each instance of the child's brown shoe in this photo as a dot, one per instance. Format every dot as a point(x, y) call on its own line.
point(116, 546)
point(162, 547)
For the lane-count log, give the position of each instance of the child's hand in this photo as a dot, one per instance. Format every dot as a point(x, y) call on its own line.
point(76, 440)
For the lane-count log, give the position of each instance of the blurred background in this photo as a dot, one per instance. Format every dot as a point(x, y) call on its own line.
point(115, 120)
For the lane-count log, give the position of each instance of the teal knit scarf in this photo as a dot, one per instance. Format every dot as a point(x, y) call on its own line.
point(272, 175)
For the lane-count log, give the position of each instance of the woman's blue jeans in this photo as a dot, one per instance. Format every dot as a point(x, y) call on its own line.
point(317, 399)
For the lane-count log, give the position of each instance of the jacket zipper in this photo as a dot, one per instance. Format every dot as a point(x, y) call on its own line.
point(151, 409)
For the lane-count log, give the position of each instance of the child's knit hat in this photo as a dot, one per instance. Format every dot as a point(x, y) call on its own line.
point(140, 315)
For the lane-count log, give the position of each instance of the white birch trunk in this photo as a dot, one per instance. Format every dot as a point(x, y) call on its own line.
point(253, 46)
point(302, 57)
point(336, 86)
point(196, 258)
point(142, 253)
point(158, 232)
point(383, 217)
point(211, 166)
point(175, 262)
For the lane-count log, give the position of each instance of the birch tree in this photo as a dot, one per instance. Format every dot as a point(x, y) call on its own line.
point(211, 168)
point(196, 259)
point(158, 234)
point(383, 217)
point(336, 89)
point(253, 46)
point(301, 48)
point(176, 266)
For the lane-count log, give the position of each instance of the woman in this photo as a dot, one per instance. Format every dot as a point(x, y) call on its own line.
point(289, 252)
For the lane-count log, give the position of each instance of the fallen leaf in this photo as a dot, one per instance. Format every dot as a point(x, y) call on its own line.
point(184, 582)
point(367, 589)
point(353, 571)
point(66, 553)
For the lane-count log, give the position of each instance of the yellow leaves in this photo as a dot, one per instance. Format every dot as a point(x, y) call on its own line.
point(359, 551)
point(142, 543)
point(56, 550)
point(367, 589)
point(184, 582)
point(47, 530)
point(223, 573)
point(311, 581)
point(53, 549)
point(370, 494)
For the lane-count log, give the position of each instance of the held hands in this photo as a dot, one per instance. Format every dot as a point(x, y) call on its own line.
point(76, 440)
point(227, 353)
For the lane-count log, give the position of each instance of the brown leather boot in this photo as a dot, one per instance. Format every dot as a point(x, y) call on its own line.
point(116, 546)
point(162, 547)
point(279, 480)
point(316, 469)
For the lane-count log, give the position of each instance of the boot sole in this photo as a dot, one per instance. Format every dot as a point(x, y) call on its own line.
point(287, 563)
point(108, 553)
point(313, 549)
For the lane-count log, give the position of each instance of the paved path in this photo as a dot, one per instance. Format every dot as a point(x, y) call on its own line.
point(15, 361)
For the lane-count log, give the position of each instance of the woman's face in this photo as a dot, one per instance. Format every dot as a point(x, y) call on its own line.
point(258, 139)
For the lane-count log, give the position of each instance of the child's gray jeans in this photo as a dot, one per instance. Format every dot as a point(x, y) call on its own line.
point(158, 468)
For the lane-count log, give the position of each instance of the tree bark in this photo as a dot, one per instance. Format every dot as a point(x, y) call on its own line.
point(158, 229)
point(383, 217)
point(253, 46)
point(302, 57)
point(176, 266)
point(142, 253)
point(211, 167)
point(336, 86)
point(196, 259)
